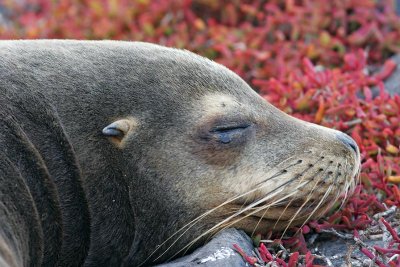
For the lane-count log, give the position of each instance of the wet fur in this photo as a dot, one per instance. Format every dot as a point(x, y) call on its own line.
point(167, 189)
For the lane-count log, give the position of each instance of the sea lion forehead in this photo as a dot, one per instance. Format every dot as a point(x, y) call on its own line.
point(227, 104)
point(218, 102)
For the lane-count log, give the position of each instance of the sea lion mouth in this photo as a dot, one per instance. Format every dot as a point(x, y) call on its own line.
point(308, 203)
point(285, 212)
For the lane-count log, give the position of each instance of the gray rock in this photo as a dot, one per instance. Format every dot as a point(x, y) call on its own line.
point(219, 252)
point(340, 252)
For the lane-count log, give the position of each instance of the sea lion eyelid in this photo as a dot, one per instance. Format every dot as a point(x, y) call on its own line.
point(228, 133)
point(227, 128)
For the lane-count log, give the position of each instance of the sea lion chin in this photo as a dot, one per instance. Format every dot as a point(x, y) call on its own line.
point(128, 153)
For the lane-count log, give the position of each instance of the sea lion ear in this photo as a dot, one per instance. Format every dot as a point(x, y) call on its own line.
point(119, 130)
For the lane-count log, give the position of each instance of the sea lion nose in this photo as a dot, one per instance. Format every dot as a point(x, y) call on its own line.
point(348, 141)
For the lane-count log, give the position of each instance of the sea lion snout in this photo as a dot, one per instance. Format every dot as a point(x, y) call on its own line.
point(349, 142)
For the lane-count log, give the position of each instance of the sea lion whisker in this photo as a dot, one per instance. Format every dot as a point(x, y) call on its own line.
point(286, 207)
point(309, 196)
point(334, 180)
point(277, 201)
point(316, 208)
point(211, 235)
point(354, 182)
point(277, 174)
point(258, 209)
point(197, 219)
point(266, 208)
point(356, 179)
point(227, 223)
point(318, 205)
point(280, 172)
point(346, 191)
point(258, 223)
point(335, 184)
point(344, 195)
point(255, 211)
point(222, 222)
point(270, 178)
point(325, 195)
point(275, 192)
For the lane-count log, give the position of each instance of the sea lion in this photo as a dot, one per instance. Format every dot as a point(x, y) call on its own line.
point(127, 153)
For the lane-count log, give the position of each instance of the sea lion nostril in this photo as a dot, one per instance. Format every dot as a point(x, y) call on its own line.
point(348, 141)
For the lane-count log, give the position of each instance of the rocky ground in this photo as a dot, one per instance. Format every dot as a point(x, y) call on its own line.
point(330, 248)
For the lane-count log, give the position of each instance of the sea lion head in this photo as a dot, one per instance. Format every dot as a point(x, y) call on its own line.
point(202, 152)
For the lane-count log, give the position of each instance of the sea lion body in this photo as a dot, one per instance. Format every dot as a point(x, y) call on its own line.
point(122, 153)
